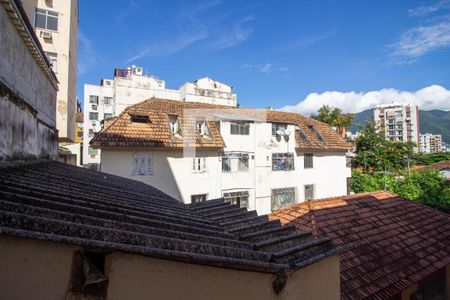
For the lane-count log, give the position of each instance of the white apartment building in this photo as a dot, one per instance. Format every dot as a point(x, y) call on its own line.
point(431, 143)
point(130, 86)
point(260, 159)
point(398, 122)
point(56, 25)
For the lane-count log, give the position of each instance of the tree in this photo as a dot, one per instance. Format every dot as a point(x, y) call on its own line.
point(333, 116)
point(374, 152)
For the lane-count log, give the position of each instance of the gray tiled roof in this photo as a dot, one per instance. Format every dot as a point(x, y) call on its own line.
point(53, 201)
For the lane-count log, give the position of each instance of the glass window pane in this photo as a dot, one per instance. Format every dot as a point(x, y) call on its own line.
point(52, 23)
point(39, 20)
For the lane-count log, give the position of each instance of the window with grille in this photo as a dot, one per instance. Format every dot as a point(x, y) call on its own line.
point(142, 164)
point(199, 164)
point(309, 192)
point(93, 116)
point(235, 162)
point(107, 116)
point(93, 99)
point(317, 134)
point(199, 198)
point(283, 161)
point(239, 128)
point(282, 198)
point(240, 198)
point(276, 127)
point(308, 160)
point(107, 100)
point(92, 151)
point(46, 19)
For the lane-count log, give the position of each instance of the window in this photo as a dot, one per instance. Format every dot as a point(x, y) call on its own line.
point(317, 134)
point(94, 106)
point(198, 198)
point(142, 164)
point(107, 100)
point(80, 134)
point(202, 128)
point(140, 119)
point(308, 160)
point(277, 127)
point(93, 116)
point(239, 198)
point(240, 128)
point(107, 116)
point(93, 99)
point(199, 164)
point(234, 162)
point(174, 125)
point(53, 59)
point(282, 161)
point(303, 136)
point(91, 132)
point(309, 191)
point(282, 198)
point(46, 19)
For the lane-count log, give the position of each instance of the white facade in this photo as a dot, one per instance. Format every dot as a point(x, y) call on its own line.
point(431, 143)
point(186, 174)
point(131, 86)
point(399, 122)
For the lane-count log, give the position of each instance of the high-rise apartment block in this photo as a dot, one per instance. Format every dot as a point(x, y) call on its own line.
point(398, 122)
point(56, 26)
point(130, 86)
point(431, 143)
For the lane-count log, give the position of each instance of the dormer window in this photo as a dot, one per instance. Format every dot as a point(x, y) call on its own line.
point(317, 134)
point(202, 128)
point(140, 119)
point(303, 136)
point(174, 125)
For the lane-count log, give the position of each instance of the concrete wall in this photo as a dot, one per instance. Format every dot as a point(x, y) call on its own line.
point(27, 129)
point(144, 276)
point(64, 42)
point(32, 269)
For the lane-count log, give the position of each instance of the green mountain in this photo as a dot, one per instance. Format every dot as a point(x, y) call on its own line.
point(431, 121)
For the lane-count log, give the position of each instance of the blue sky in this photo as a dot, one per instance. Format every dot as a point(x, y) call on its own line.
point(275, 53)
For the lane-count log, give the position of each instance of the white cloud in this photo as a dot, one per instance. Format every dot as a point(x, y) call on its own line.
point(263, 68)
point(431, 97)
point(425, 10)
point(421, 40)
point(237, 33)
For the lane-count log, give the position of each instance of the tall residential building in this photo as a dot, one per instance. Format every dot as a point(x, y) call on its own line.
point(398, 122)
point(27, 90)
point(430, 143)
point(130, 86)
point(56, 25)
point(260, 159)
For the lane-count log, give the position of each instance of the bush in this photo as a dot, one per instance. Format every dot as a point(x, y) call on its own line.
point(426, 186)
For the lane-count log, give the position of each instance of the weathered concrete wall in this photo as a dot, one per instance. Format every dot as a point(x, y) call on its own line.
point(27, 99)
point(33, 269)
point(145, 277)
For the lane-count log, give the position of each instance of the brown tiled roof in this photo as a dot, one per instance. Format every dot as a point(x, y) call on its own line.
point(445, 164)
point(52, 201)
point(393, 243)
point(121, 132)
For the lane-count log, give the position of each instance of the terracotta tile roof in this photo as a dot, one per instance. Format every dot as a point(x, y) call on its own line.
point(53, 201)
point(393, 243)
point(122, 132)
point(445, 164)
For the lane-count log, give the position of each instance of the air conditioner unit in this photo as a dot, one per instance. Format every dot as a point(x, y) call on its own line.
point(46, 34)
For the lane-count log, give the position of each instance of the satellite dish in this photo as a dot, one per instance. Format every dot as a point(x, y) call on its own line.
point(287, 132)
point(96, 128)
point(280, 132)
